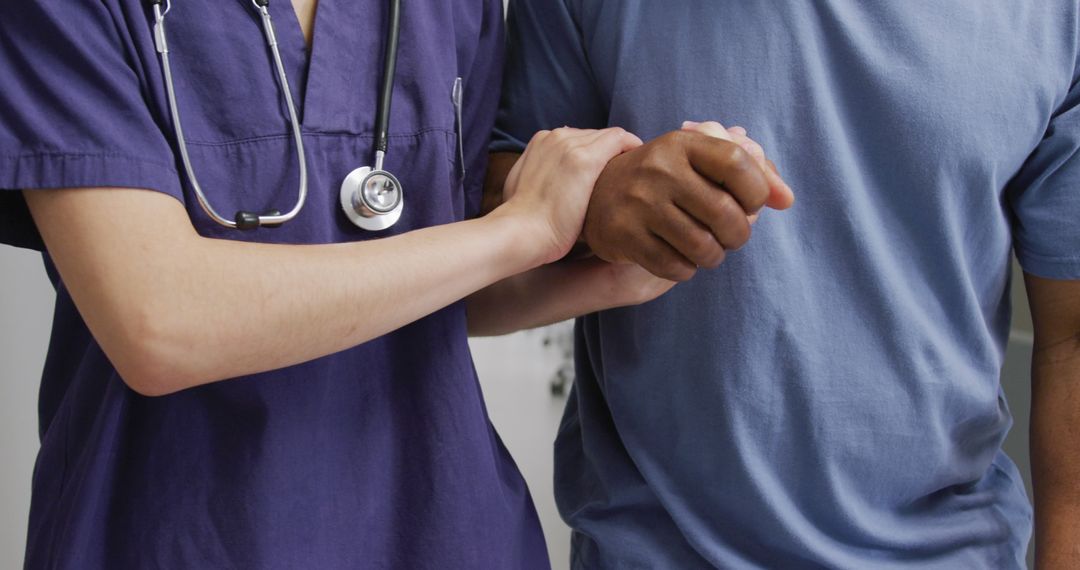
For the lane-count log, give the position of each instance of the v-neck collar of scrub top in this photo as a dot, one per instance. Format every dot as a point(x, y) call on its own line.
point(333, 62)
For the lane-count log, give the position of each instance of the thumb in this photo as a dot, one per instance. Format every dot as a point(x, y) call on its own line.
point(781, 197)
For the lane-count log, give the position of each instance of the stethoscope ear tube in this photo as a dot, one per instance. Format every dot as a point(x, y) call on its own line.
point(386, 96)
point(372, 198)
point(243, 220)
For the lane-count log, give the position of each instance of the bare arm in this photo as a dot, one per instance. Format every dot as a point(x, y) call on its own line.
point(557, 292)
point(1055, 421)
point(173, 310)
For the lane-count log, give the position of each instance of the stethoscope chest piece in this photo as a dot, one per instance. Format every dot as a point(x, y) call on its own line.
point(372, 199)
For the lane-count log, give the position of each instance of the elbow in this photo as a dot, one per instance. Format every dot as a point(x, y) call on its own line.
point(149, 356)
point(147, 378)
point(482, 319)
point(478, 330)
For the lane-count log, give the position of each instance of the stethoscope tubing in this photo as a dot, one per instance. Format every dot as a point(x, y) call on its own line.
point(386, 96)
point(243, 220)
point(361, 209)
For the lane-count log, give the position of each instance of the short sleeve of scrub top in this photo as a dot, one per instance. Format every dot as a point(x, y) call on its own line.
point(546, 61)
point(1045, 197)
point(73, 111)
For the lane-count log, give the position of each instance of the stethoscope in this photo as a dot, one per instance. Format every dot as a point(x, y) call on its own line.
point(372, 198)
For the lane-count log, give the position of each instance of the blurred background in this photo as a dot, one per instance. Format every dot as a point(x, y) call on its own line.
point(521, 375)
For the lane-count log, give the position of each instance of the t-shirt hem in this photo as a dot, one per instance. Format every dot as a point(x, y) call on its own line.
point(1047, 267)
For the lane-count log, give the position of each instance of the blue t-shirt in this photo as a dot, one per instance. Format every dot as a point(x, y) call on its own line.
point(829, 396)
point(380, 456)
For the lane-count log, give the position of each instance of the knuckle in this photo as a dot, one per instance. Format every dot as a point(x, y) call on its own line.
point(675, 270)
point(740, 165)
point(727, 208)
point(668, 266)
point(754, 199)
point(712, 258)
point(735, 158)
point(739, 234)
point(639, 197)
point(717, 258)
point(577, 157)
point(654, 163)
point(663, 145)
point(677, 138)
point(730, 222)
point(658, 162)
point(702, 246)
point(558, 135)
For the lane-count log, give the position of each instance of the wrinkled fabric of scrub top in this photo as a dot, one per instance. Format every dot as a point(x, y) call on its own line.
point(828, 397)
point(381, 456)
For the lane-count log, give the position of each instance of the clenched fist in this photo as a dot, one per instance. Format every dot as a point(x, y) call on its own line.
point(682, 200)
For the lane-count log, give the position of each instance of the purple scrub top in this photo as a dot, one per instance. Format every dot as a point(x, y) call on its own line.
point(381, 456)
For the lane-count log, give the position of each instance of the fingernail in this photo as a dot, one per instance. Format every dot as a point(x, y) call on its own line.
point(690, 124)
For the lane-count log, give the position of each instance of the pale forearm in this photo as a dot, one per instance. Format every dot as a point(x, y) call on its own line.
point(180, 311)
point(321, 299)
point(545, 295)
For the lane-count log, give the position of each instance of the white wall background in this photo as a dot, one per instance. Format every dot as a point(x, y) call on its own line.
point(26, 299)
point(515, 371)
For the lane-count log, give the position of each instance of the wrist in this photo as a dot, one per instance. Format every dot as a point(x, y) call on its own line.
point(623, 290)
point(608, 285)
point(522, 241)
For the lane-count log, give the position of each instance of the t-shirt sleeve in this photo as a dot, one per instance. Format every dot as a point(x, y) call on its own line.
point(1045, 197)
point(73, 108)
point(548, 82)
